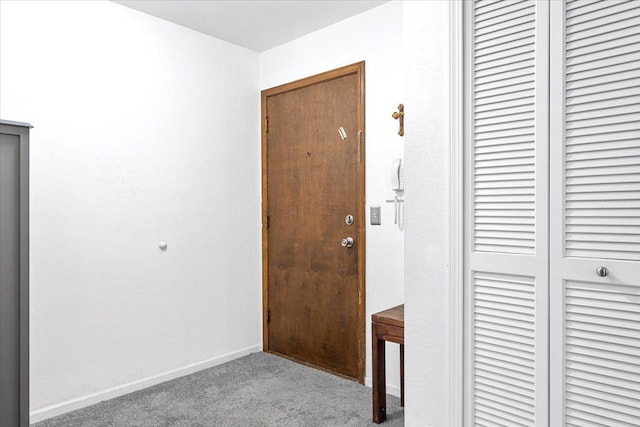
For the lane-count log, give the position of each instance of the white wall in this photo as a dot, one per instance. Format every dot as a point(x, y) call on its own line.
point(144, 131)
point(374, 36)
point(147, 131)
point(428, 188)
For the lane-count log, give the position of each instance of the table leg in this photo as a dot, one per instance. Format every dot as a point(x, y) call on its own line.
point(379, 380)
point(401, 374)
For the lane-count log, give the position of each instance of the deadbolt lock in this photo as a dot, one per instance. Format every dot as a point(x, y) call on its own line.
point(348, 219)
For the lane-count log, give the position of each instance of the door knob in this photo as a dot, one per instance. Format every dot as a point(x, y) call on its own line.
point(347, 242)
point(602, 271)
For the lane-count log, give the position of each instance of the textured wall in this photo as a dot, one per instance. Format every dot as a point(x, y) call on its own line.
point(144, 131)
point(427, 247)
point(147, 131)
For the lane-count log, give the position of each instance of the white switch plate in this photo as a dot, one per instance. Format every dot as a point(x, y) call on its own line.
point(375, 215)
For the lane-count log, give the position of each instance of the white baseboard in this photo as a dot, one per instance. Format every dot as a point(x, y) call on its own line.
point(392, 389)
point(91, 399)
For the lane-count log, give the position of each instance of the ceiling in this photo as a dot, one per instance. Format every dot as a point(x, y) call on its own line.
point(255, 24)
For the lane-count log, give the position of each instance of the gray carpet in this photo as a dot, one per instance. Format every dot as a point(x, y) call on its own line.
point(256, 390)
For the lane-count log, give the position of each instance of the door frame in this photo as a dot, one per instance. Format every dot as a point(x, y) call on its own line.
point(21, 130)
point(457, 34)
point(353, 69)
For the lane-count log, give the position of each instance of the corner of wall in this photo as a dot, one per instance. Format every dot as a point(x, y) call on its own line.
point(428, 223)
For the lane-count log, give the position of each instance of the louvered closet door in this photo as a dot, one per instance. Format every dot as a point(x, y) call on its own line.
point(595, 213)
point(506, 221)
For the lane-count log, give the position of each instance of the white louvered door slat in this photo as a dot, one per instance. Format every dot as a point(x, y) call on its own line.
point(511, 139)
point(595, 213)
point(506, 240)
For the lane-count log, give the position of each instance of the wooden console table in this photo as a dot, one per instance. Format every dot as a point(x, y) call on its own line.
point(387, 325)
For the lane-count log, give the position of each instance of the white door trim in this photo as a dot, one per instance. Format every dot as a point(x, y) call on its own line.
point(556, 226)
point(456, 285)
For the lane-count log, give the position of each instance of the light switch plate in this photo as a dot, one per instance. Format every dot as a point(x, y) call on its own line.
point(375, 215)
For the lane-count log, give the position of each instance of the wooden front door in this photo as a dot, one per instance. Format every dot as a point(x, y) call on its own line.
point(313, 179)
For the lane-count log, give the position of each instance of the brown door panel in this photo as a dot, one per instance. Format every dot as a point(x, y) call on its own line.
point(314, 286)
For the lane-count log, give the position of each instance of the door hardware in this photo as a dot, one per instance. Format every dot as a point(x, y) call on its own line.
point(602, 271)
point(347, 242)
point(348, 219)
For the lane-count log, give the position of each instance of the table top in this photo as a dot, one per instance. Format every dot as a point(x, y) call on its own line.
point(393, 316)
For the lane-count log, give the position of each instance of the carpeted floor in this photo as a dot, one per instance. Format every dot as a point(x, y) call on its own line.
point(256, 390)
